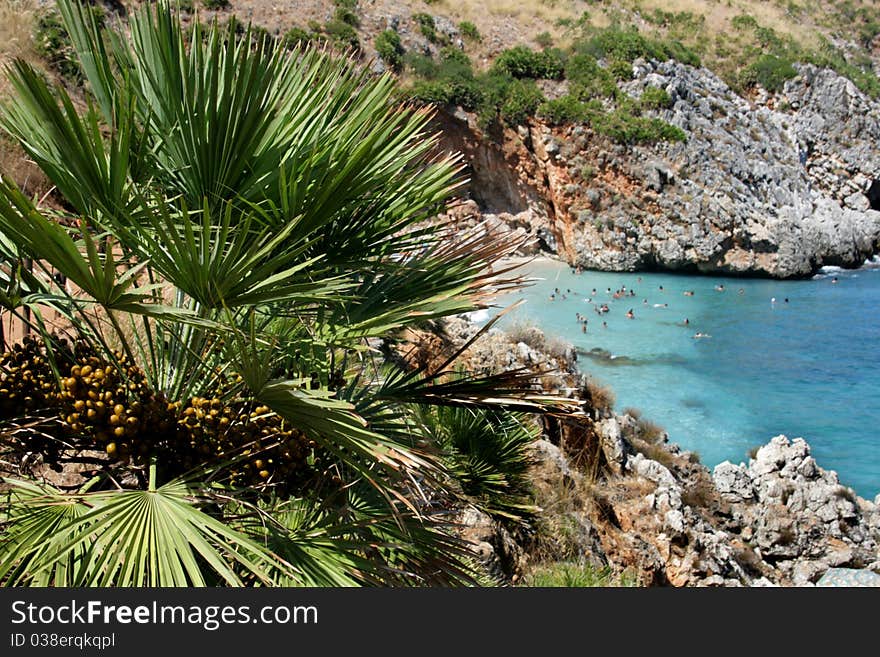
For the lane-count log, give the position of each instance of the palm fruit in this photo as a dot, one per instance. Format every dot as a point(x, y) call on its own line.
point(108, 404)
point(27, 382)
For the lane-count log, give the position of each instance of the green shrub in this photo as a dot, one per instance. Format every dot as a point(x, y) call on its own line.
point(453, 56)
point(563, 574)
point(389, 48)
point(450, 81)
point(768, 38)
point(566, 109)
point(427, 27)
point(770, 72)
point(469, 31)
point(588, 79)
point(627, 45)
point(346, 15)
point(676, 50)
point(626, 128)
point(422, 66)
point(655, 98)
point(522, 101)
point(544, 39)
point(298, 37)
point(582, 68)
point(744, 22)
point(494, 87)
point(620, 70)
point(430, 91)
point(351, 5)
point(523, 62)
point(465, 93)
point(342, 34)
point(215, 4)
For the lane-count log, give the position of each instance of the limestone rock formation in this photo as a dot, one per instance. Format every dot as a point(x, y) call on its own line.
point(773, 185)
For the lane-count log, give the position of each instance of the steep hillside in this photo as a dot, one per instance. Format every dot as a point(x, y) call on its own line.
point(692, 135)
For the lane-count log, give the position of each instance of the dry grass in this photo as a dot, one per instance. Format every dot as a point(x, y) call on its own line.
point(16, 29)
point(656, 453)
point(634, 413)
point(527, 333)
point(601, 397)
point(650, 432)
point(701, 494)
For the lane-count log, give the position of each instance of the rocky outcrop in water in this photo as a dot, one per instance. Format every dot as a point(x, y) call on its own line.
point(798, 516)
point(772, 185)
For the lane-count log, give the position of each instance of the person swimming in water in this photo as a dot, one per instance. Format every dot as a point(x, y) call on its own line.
point(698, 335)
point(686, 321)
point(719, 288)
point(604, 324)
point(629, 314)
point(834, 280)
point(688, 293)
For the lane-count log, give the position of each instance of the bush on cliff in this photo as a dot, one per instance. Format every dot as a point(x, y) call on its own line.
point(654, 98)
point(523, 62)
point(389, 48)
point(521, 101)
point(627, 44)
point(769, 71)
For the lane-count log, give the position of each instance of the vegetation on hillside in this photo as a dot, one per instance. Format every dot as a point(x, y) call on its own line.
point(508, 94)
point(746, 50)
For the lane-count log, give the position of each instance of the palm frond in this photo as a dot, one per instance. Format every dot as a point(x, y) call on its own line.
point(125, 538)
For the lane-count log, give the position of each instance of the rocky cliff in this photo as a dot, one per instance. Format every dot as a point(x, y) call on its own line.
point(773, 185)
point(615, 494)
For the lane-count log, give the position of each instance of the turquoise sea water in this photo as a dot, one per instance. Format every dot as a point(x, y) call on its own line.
point(809, 367)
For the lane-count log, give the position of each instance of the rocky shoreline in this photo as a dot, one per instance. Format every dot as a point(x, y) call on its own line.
point(644, 507)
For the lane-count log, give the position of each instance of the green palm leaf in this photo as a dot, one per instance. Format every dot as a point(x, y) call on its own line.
point(125, 538)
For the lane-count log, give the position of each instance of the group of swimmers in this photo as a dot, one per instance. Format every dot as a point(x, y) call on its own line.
point(603, 308)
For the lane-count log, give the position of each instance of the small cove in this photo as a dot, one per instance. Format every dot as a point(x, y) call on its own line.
point(795, 357)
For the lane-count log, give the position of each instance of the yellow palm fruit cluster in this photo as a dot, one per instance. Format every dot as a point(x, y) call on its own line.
point(110, 402)
point(273, 451)
point(113, 403)
point(27, 382)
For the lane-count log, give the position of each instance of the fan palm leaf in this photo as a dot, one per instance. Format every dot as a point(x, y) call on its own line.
point(125, 538)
